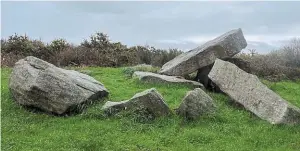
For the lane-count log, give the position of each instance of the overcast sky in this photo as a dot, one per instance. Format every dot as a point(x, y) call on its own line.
point(183, 25)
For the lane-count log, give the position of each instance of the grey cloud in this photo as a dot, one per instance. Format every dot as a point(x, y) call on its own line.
point(260, 47)
point(185, 18)
point(155, 22)
point(112, 7)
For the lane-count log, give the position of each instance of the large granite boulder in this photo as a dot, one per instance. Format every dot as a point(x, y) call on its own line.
point(157, 78)
point(39, 84)
point(224, 46)
point(241, 63)
point(202, 74)
point(149, 100)
point(195, 104)
point(247, 90)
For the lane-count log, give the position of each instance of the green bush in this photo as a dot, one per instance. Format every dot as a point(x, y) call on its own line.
point(58, 45)
point(128, 71)
point(22, 45)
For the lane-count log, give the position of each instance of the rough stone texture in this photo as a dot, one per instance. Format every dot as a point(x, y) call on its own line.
point(195, 104)
point(142, 66)
point(149, 99)
point(242, 64)
point(247, 90)
point(157, 78)
point(224, 46)
point(202, 74)
point(37, 83)
point(114, 107)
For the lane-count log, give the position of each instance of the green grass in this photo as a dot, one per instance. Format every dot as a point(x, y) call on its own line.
point(286, 89)
point(231, 128)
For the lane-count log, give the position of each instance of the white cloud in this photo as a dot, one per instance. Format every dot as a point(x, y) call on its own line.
point(198, 39)
point(269, 39)
point(274, 40)
point(239, 9)
point(170, 41)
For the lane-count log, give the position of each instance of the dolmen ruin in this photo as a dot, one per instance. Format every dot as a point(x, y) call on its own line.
point(39, 84)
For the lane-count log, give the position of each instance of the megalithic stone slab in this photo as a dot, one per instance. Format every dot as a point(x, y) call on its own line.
point(224, 46)
point(158, 78)
point(247, 90)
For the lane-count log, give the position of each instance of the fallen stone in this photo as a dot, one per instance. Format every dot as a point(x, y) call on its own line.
point(241, 63)
point(247, 90)
point(114, 107)
point(202, 74)
point(149, 100)
point(39, 84)
point(195, 104)
point(157, 78)
point(224, 46)
point(142, 66)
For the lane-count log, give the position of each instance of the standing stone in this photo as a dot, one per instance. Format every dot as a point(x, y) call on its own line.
point(157, 78)
point(195, 104)
point(39, 84)
point(247, 90)
point(149, 100)
point(224, 46)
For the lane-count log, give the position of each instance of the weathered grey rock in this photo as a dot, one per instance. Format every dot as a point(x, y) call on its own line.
point(224, 46)
point(247, 90)
point(202, 74)
point(241, 63)
point(114, 107)
point(157, 78)
point(195, 104)
point(149, 100)
point(37, 83)
point(142, 66)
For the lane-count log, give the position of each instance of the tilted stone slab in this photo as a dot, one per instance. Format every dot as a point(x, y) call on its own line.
point(224, 46)
point(247, 90)
point(158, 78)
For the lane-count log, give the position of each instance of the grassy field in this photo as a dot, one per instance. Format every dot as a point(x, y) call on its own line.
point(231, 129)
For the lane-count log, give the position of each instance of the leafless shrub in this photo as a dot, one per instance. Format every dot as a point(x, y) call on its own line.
point(291, 53)
point(98, 50)
point(271, 66)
